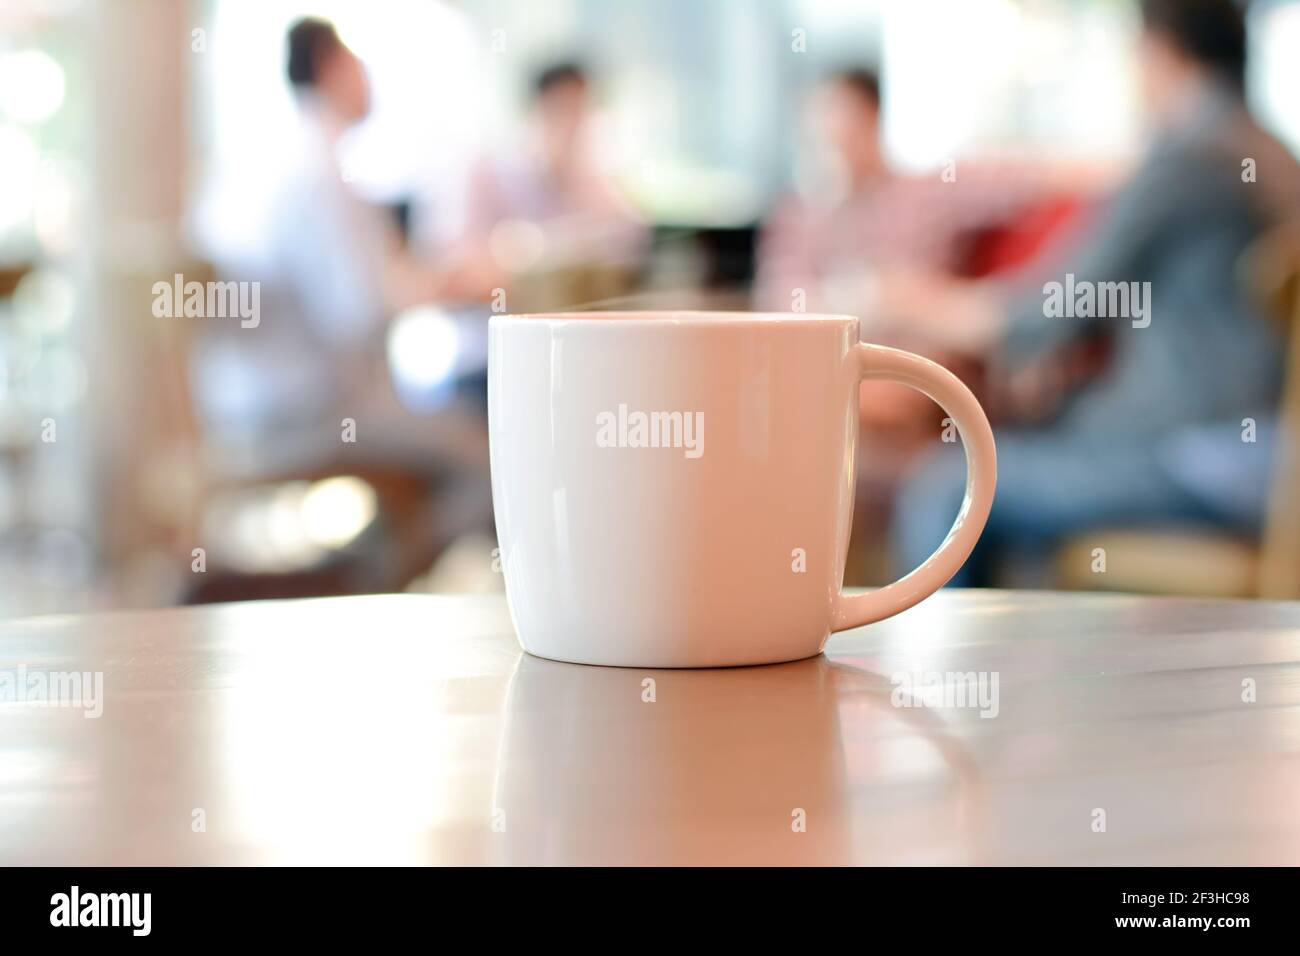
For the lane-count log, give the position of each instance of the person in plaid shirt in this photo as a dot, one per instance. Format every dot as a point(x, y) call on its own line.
point(830, 250)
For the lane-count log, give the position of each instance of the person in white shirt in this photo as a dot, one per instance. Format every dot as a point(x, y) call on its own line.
point(332, 267)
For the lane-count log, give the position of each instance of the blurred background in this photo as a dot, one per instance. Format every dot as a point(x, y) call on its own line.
point(248, 252)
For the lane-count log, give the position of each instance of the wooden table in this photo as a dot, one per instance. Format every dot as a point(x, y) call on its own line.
point(407, 729)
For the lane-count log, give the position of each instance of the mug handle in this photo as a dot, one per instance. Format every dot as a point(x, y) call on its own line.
point(932, 379)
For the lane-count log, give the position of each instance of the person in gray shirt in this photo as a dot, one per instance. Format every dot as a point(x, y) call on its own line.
point(1179, 358)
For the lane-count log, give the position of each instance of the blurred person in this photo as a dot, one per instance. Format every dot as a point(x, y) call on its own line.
point(1132, 419)
point(552, 189)
point(844, 244)
point(863, 219)
point(332, 267)
point(333, 274)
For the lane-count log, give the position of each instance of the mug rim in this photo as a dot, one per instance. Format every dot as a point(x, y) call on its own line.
point(675, 316)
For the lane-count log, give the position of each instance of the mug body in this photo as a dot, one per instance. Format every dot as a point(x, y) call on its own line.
point(672, 489)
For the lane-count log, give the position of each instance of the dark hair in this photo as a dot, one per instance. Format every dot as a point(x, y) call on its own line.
point(1212, 33)
point(860, 80)
point(309, 41)
point(558, 74)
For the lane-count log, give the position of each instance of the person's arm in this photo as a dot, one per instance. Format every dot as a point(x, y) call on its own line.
point(1118, 246)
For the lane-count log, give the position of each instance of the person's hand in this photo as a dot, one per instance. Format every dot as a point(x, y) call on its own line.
point(1030, 393)
point(950, 313)
point(1037, 390)
point(890, 407)
point(471, 276)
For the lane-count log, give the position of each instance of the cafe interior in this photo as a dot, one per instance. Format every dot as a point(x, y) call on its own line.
point(249, 251)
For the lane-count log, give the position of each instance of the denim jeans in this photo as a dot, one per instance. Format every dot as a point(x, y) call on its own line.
point(1050, 487)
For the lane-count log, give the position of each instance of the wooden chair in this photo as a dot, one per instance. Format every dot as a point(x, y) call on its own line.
point(423, 501)
point(1192, 562)
point(1273, 269)
point(16, 437)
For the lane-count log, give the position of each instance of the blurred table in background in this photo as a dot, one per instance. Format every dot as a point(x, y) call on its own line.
point(411, 729)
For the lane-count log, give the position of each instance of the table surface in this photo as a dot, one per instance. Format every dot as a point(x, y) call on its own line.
point(411, 729)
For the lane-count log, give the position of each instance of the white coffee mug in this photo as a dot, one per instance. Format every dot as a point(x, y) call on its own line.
point(675, 489)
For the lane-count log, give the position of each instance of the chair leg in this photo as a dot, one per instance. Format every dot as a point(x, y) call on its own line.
point(1279, 574)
